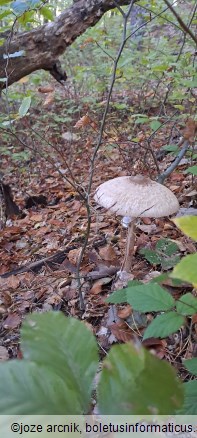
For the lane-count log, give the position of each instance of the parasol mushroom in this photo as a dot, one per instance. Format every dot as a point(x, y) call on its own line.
point(133, 197)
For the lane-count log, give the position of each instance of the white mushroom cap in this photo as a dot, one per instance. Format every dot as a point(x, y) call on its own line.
point(136, 196)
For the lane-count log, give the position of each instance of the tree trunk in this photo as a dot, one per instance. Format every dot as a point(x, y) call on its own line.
point(41, 47)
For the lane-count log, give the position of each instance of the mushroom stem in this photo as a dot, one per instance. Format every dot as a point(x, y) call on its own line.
point(129, 246)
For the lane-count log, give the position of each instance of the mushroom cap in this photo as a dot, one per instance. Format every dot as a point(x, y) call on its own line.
point(136, 196)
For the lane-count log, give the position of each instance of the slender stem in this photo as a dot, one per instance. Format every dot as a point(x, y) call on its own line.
point(174, 164)
point(129, 247)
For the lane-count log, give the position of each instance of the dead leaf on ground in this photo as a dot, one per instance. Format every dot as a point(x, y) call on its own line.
point(194, 318)
point(121, 331)
point(12, 321)
point(49, 100)
point(147, 228)
point(69, 293)
point(103, 271)
point(13, 282)
point(125, 312)
point(46, 89)
point(190, 130)
point(84, 121)
point(97, 286)
point(146, 220)
point(107, 253)
point(73, 255)
point(36, 218)
point(3, 354)
point(156, 346)
point(6, 298)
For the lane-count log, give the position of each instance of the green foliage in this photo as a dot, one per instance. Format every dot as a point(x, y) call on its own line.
point(165, 254)
point(24, 107)
point(59, 365)
point(188, 224)
point(192, 169)
point(151, 297)
point(144, 298)
point(191, 365)
point(190, 389)
point(186, 268)
point(171, 148)
point(47, 13)
point(128, 370)
point(187, 305)
point(190, 398)
point(164, 325)
point(60, 355)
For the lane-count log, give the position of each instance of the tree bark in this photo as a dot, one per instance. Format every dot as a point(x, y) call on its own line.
point(41, 47)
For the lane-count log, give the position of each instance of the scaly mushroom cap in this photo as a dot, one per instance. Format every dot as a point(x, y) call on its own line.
point(136, 196)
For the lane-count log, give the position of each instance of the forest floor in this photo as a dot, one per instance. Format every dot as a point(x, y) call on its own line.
point(46, 239)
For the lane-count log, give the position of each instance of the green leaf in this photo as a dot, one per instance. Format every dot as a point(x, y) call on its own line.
point(149, 298)
point(159, 279)
point(151, 256)
point(189, 84)
point(190, 399)
point(155, 125)
point(24, 107)
point(28, 389)
point(160, 67)
point(47, 13)
point(4, 2)
point(170, 262)
point(5, 14)
point(187, 305)
point(129, 383)
point(170, 148)
point(187, 224)
point(191, 365)
point(119, 296)
point(186, 269)
point(167, 247)
point(27, 17)
point(120, 106)
point(68, 347)
point(192, 169)
point(132, 283)
point(141, 120)
point(164, 325)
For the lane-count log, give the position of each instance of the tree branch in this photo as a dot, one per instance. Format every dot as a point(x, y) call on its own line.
point(174, 164)
point(181, 22)
point(41, 47)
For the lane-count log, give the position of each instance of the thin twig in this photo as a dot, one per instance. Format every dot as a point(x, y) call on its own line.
point(181, 22)
point(175, 163)
point(99, 142)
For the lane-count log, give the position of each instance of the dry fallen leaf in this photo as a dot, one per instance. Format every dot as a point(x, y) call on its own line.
point(49, 100)
point(13, 282)
point(12, 321)
point(121, 331)
point(190, 130)
point(73, 255)
point(156, 346)
point(36, 218)
point(46, 89)
point(97, 286)
point(146, 220)
point(3, 354)
point(84, 121)
point(125, 312)
point(107, 253)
